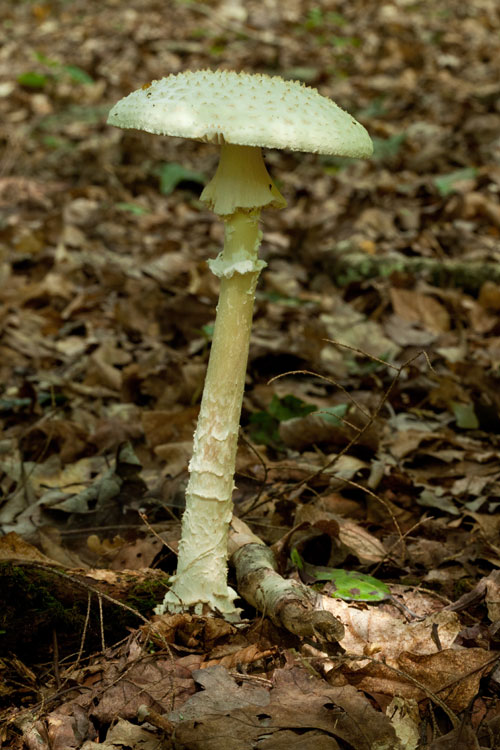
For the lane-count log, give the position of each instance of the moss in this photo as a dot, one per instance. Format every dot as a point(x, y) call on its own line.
point(34, 606)
point(144, 596)
point(36, 602)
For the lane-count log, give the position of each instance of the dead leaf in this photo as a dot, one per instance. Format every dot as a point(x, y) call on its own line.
point(378, 633)
point(297, 701)
point(416, 307)
point(13, 547)
point(453, 675)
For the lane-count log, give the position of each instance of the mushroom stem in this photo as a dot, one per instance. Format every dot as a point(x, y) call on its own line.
point(202, 565)
point(241, 181)
point(201, 577)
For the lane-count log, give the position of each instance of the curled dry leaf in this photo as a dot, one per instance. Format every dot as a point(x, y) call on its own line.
point(318, 428)
point(247, 655)
point(373, 631)
point(416, 307)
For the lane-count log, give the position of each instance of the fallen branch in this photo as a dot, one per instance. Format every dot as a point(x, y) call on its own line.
point(288, 603)
point(345, 267)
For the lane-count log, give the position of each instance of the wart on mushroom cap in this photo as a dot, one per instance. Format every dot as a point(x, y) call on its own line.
point(241, 113)
point(243, 109)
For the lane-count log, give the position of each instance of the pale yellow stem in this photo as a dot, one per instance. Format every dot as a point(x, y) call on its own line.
point(202, 566)
point(240, 187)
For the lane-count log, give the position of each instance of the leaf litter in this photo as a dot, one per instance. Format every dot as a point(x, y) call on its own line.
point(106, 311)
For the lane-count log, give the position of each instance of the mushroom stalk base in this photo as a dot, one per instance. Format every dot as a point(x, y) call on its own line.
point(201, 577)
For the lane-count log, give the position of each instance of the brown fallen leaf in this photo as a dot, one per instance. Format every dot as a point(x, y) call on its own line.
point(375, 632)
point(69, 440)
point(452, 674)
point(155, 682)
point(358, 541)
point(416, 307)
point(14, 547)
point(191, 631)
point(246, 655)
point(299, 711)
point(161, 427)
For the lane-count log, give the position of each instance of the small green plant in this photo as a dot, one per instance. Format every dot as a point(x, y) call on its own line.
point(55, 70)
point(343, 584)
point(375, 108)
point(465, 416)
point(365, 367)
point(132, 208)
point(208, 330)
point(345, 41)
point(33, 80)
point(447, 184)
point(386, 148)
point(314, 19)
point(264, 425)
point(281, 299)
point(334, 414)
point(171, 174)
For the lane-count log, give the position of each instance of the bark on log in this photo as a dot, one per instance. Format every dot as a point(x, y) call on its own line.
point(288, 603)
point(354, 265)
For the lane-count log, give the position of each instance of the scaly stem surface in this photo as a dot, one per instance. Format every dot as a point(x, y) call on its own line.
point(201, 577)
point(202, 566)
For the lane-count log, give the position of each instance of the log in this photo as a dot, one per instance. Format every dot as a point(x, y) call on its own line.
point(346, 266)
point(288, 603)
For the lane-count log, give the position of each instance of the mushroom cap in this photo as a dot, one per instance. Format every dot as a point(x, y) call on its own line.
point(243, 109)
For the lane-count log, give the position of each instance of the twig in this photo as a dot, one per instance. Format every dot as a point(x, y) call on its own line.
point(145, 521)
point(55, 660)
point(77, 582)
point(84, 632)
point(101, 622)
point(328, 380)
point(450, 714)
point(256, 499)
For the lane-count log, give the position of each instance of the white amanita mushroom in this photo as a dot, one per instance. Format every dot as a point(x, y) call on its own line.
point(241, 113)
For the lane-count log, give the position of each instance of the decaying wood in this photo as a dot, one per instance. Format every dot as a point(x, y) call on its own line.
point(355, 265)
point(288, 603)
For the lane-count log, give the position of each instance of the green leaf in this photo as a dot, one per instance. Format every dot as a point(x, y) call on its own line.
point(281, 299)
point(365, 367)
point(48, 61)
point(51, 399)
point(334, 414)
point(208, 330)
point(336, 18)
point(296, 558)
point(132, 208)
point(9, 404)
point(45, 399)
point(376, 108)
point(77, 74)
point(52, 141)
point(386, 148)
point(289, 407)
point(314, 19)
point(264, 425)
point(446, 184)
point(354, 586)
point(264, 429)
point(344, 584)
point(172, 174)
point(345, 41)
point(33, 80)
point(465, 416)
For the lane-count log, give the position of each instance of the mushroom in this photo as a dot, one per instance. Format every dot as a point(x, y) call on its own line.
point(241, 113)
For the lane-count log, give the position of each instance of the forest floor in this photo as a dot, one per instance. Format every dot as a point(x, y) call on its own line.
point(370, 438)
